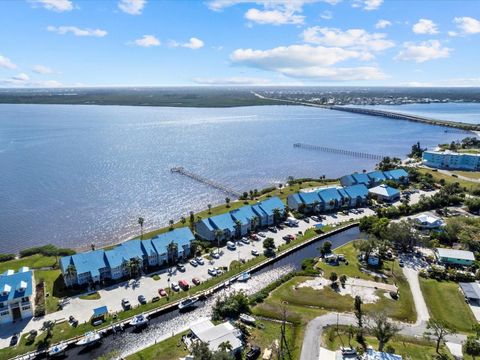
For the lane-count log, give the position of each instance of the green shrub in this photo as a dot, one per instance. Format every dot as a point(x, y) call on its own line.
point(6, 257)
point(46, 250)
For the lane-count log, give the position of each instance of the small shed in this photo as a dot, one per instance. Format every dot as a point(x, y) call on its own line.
point(99, 313)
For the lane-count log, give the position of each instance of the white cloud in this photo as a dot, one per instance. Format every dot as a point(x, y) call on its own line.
point(467, 25)
point(147, 41)
point(382, 24)
point(62, 30)
point(326, 15)
point(358, 39)
point(425, 26)
point(219, 5)
point(132, 7)
point(232, 81)
point(454, 82)
point(21, 77)
point(6, 63)
point(193, 44)
point(367, 4)
point(423, 51)
point(54, 5)
point(307, 62)
point(274, 17)
point(41, 69)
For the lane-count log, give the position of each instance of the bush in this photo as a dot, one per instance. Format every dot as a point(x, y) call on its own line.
point(308, 266)
point(230, 306)
point(6, 257)
point(46, 250)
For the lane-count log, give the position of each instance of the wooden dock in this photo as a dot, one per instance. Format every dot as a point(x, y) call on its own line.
point(357, 154)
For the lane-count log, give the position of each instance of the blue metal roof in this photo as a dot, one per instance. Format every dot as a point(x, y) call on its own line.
point(270, 204)
point(133, 248)
point(223, 222)
point(208, 224)
point(116, 256)
point(100, 311)
point(361, 178)
point(396, 174)
point(13, 282)
point(91, 262)
point(181, 236)
point(310, 198)
point(377, 175)
point(148, 247)
point(385, 190)
point(329, 194)
point(258, 211)
point(355, 191)
point(243, 214)
point(347, 177)
point(343, 193)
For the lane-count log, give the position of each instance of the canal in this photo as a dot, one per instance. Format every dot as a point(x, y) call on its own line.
point(163, 326)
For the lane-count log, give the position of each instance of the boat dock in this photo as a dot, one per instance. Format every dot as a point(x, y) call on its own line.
point(356, 154)
point(227, 190)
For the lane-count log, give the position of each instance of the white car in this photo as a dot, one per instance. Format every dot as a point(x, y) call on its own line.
point(193, 263)
point(199, 260)
point(255, 252)
point(175, 286)
point(215, 255)
point(262, 234)
point(212, 272)
point(219, 272)
point(245, 240)
point(314, 218)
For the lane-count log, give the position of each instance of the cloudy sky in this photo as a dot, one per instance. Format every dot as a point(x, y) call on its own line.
point(239, 42)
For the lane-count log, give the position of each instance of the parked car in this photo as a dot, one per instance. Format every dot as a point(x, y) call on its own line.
point(255, 252)
point(175, 286)
point(262, 234)
point(219, 271)
point(307, 220)
point(254, 237)
point(126, 304)
point(14, 340)
point(184, 284)
point(181, 267)
point(401, 264)
point(200, 260)
point(272, 229)
point(212, 272)
point(155, 299)
point(288, 237)
point(162, 292)
point(280, 227)
point(142, 300)
point(245, 240)
point(193, 263)
point(314, 218)
point(196, 281)
point(253, 353)
point(215, 255)
point(231, 245)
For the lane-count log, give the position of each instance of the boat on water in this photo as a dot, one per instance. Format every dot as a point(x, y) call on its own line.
point(89, 338)
point(245, 276)
point(57, 350)
point(247, 319)
point(187, 303)
point(139, 320)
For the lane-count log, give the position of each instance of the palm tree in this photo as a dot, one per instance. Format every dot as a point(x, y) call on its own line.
point(171, 222)
point(191, 219)
point(225, 346)
point(218, 234)
point(238, 228)
point(172, 250)
point(135, 265)
point(209, 208)
point(141, 220)
point(254, 222)
point(227, 201)
point(277, 214)
point(183, 220)
point(71, 271)
point(315, 206)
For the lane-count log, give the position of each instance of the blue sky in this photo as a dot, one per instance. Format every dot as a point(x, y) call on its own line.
point(239, 42)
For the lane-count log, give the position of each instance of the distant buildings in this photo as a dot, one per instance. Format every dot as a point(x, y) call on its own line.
point(373, 178)
point(454, 257)
point(240, 221)
point(127, 258)
point(16, 289)
point(451, 160)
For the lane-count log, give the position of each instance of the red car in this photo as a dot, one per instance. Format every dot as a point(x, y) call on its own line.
point(196, 281)
point(162, 292)
point(184, 284)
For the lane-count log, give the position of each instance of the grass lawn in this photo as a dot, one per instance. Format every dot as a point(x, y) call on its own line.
point(407, 347)
point(446, 302)
point(54, 287)
point(92, 296)
point(171, 348)
point(469, 174)
point(450, 179)
point(266, 332)
point(33, 262)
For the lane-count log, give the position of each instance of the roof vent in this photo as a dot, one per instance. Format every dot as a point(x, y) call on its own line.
point(6, 289)
point(22, 286)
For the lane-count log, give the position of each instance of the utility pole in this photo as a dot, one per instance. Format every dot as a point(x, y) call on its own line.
point(284, 351)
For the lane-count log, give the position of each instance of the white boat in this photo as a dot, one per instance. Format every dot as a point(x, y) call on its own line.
point(139, 320)
point(247, 319)
point(187, 303)
point(57, 349)
point(245, 276)
point(89, 338)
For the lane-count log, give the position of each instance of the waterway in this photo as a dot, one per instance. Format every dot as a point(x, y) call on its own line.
point(76, 175)
point(165, 325)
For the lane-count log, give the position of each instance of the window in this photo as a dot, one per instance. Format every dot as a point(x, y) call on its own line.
point(3, 313)
point(26, 307)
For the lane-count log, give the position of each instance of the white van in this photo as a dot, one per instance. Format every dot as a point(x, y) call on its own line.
point(292, 221)
point(231, 245)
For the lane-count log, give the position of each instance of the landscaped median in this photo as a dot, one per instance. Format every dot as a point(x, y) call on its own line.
point(64, 331)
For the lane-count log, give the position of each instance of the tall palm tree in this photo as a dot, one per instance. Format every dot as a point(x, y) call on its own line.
point(209, 208)
point(238, 228)
point(254, 222)
point(171, 222)
point(277, 214)
point(172, 249)
point(183, 220)
point(227, 201)
point(141, 220)
point(71, 271)
point(135, 265)
point(218, 235)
